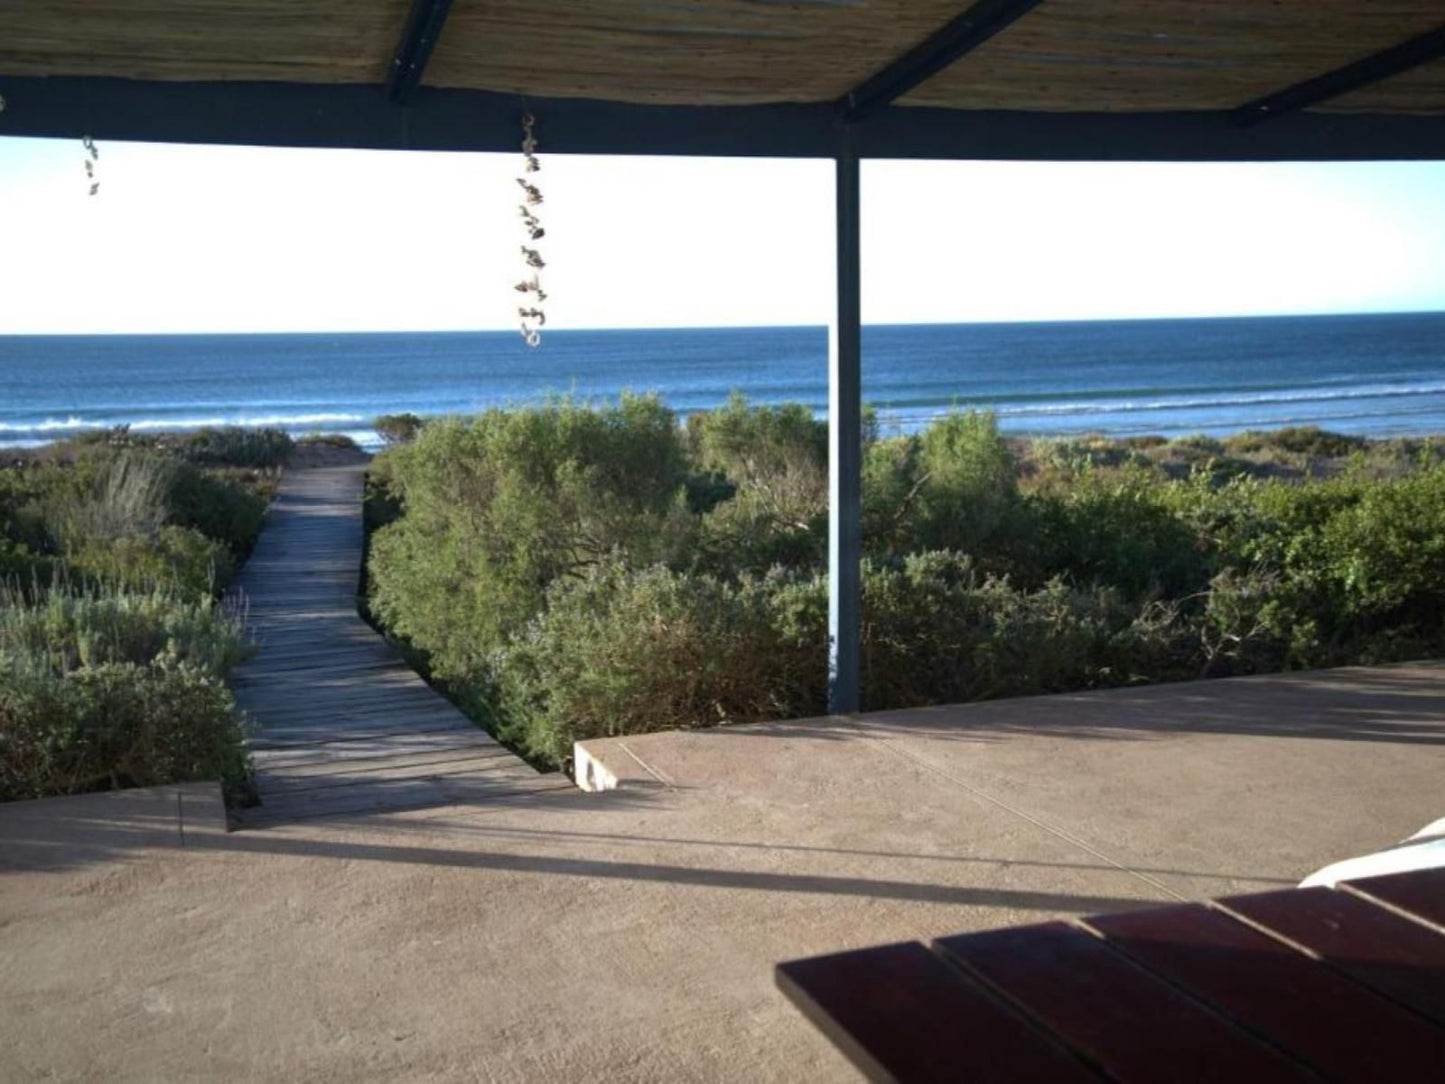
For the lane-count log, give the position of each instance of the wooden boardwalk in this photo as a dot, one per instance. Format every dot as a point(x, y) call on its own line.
point(345, 726)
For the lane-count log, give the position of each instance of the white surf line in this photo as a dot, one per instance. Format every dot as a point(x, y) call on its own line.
point(1067, 837)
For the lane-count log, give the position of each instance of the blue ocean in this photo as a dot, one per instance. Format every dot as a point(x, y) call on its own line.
point(1377, 375)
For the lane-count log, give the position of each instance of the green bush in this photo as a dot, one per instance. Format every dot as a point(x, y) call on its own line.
point(112, 650)
point(1113, 528)
point(774, 507)
point(499, 506)
point(177, 557)
point(219, 506)
point(137, 516)
point(1308, 440)
point(116, 725)
point(936, 631)
point(128, 495)
point(570, 572)
point(77, 625)
point(969, 484)
point(237, 446)
point(397, 428)
point(620, 651)
point(20, 564)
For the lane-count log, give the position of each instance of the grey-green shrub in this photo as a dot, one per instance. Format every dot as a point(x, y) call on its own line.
point(969, 483)
point(565, 569)
point(219, 506)
point(130, 495)
point(115, 725)
point(775, 458)
point(175, 557)
point(499, 506)
point(237, 446)
point(398, 428)
point(621, 650)
point(624, 651)
point(75, 625)
point(937, 631)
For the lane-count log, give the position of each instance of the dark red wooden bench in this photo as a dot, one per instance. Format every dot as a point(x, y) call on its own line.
point(1303, 984)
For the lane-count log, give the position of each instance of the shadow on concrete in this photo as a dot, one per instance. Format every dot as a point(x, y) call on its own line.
point(658, 873)
point(451, 825)
point(69, 834)
point(68, 843)
point(1402, 705)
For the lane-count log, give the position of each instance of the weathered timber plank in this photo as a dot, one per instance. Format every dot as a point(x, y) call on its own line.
point(900, 1013)
point(1310, 1010)
point(345, 726)
point(1123, 1018)
point(1401, 958)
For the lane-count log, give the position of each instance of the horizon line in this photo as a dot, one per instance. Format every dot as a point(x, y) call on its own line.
point(726, 327)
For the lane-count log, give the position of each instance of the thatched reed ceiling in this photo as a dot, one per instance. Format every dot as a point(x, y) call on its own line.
point(1066, 55)
point(1138, 55)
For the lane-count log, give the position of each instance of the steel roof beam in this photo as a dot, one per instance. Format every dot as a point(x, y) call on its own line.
point(1362, 73)
point(930, 56)
point(423, 29)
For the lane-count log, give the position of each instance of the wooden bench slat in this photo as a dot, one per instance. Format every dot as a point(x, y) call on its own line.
point(1126, 1020)
point(1394, 955)
point(1421, 892)
point(1311, 1011)
point(900, 1013)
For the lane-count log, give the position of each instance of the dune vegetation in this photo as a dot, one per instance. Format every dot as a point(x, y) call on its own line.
point(570, 571)
point(114, 641)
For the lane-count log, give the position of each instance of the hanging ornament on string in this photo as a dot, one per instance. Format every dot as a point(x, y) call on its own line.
point(531, 313)
point(92, 156)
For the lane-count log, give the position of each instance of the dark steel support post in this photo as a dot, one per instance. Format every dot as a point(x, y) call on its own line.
point(845, 452)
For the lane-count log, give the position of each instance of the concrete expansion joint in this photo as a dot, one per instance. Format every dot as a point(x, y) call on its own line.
point(1054, 830)
point(656, 773)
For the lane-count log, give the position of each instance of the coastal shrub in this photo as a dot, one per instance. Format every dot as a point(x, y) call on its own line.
point(626, 651)
point(129, 495)
point(499, 506)
point(1251, 625)
point(891, 490)
point(131, 514)
point(1387, 548)
point(115, 725)
point(20, 564)
point(238, 446)
point(1112, 528)
point(969, 484)
point(1073, 454)
point(174, 557)
point(938, 631)
point(1306, 440)
point(328, 440)
point(219, 506)
point(569, 572)
point(397, 428)
point(112, 650)
point(74, 625)
point(622, 650)
point(775, 461)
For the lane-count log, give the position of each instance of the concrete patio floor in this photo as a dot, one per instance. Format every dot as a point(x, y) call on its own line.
point(630, 935)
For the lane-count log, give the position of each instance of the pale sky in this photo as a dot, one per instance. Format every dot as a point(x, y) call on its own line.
point(186, 238)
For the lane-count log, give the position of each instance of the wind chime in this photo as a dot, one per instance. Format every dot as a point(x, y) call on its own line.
point(92, 156)
point(533, 318)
